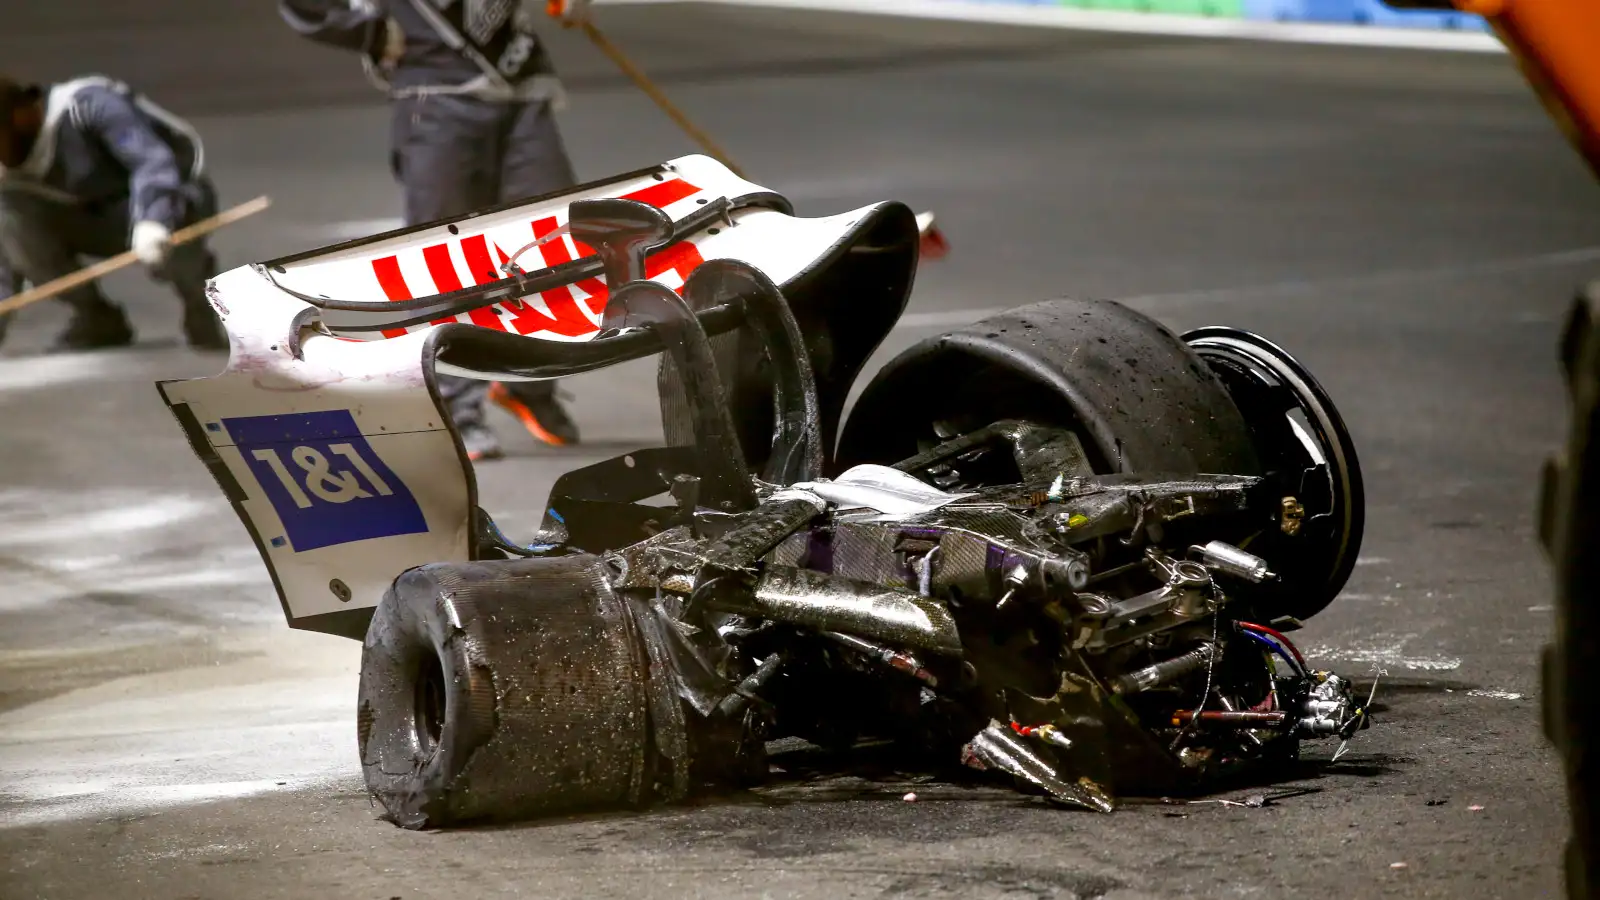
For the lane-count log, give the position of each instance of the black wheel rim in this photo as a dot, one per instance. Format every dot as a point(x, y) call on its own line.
point(429, 708)
point(1301, 437)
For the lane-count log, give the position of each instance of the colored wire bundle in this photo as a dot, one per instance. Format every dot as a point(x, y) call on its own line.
point(1278, 644)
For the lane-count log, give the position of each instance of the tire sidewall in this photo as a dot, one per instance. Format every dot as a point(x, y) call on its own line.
point(410, 627)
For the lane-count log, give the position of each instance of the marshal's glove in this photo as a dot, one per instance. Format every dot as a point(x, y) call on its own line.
point(152, 243)
point(394, 44)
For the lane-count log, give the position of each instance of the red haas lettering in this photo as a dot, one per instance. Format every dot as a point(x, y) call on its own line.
point(565, 317)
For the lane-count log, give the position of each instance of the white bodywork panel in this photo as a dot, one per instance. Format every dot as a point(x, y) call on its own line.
point(430, 261)
point(279, 423)
point(877, 489)
point(347, 470)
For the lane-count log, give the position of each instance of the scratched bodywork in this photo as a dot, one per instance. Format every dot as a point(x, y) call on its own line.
point(1061, 546)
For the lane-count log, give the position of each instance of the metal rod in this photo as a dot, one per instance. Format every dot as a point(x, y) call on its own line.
point(1219, 717)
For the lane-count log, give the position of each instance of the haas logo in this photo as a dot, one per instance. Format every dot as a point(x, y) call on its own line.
point(571, 311)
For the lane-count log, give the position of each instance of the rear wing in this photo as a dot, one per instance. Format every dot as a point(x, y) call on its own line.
point(326, 431)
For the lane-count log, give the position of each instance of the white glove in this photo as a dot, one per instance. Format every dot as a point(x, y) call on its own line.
point(152, 243)
point(394, 44)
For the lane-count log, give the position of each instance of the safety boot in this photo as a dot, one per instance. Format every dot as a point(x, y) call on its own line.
point(479, 442)
point(95, 327)
point(539, 411)
point(201, 327)
point(203, 330)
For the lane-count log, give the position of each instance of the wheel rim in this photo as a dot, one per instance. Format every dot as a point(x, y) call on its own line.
point(1296, 426)
point(429, 708)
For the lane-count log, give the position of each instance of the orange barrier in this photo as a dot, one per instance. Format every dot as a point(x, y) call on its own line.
point(1557, 45)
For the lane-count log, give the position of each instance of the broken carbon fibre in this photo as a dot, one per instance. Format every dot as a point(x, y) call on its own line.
point(1051, 546)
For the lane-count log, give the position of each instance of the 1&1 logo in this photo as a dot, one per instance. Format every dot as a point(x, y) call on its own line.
point(323, 479)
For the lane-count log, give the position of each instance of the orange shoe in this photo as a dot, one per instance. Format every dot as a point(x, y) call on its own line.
point(480, 443)
point(542, 416)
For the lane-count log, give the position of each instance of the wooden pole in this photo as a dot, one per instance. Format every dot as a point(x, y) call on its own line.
point(933, 243)
point(107, 266)
point(643, 82)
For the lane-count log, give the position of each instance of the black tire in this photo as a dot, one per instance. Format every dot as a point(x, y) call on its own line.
point(503, 690)
point(1570, 531)
point(1138, 396)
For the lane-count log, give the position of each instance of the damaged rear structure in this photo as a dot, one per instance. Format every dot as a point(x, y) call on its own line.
point(1060, 546)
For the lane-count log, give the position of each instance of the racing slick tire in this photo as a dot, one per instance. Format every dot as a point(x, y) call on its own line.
point(502, 690)
point(1139, 397)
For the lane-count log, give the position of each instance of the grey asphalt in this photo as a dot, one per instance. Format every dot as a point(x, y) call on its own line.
point(1408, 223)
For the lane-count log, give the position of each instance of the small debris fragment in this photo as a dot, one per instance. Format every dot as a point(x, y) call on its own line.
point(1397, 865)
point(282, 783)
point(1475, 808)
point(1437, 802)
point(1497, 695)
point(910, 798)
point(1257, 801)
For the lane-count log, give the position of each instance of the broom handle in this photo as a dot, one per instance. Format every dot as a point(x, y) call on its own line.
point(643, 82)
point(107, 266)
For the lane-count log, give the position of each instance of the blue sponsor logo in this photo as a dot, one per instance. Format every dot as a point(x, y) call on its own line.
point(324, 480)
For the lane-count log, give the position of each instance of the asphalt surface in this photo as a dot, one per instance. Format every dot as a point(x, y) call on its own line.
point(1408, 223)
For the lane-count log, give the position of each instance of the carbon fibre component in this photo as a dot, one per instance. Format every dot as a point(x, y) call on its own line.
point(844, 306)
point(597, 507)
point(794, 450)
point(1138, 396)
point(996, 747)
point(474, 349)
point(1038, 452)
point(824, 603)
point(758, 534)
point(504, 690)
point(1053, 528)
point(724, 480)
point(621, 232)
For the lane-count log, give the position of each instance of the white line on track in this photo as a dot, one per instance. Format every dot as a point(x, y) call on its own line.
point(33, 372)
point(1141, 23)
point(115, 522)
point(275, 716)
